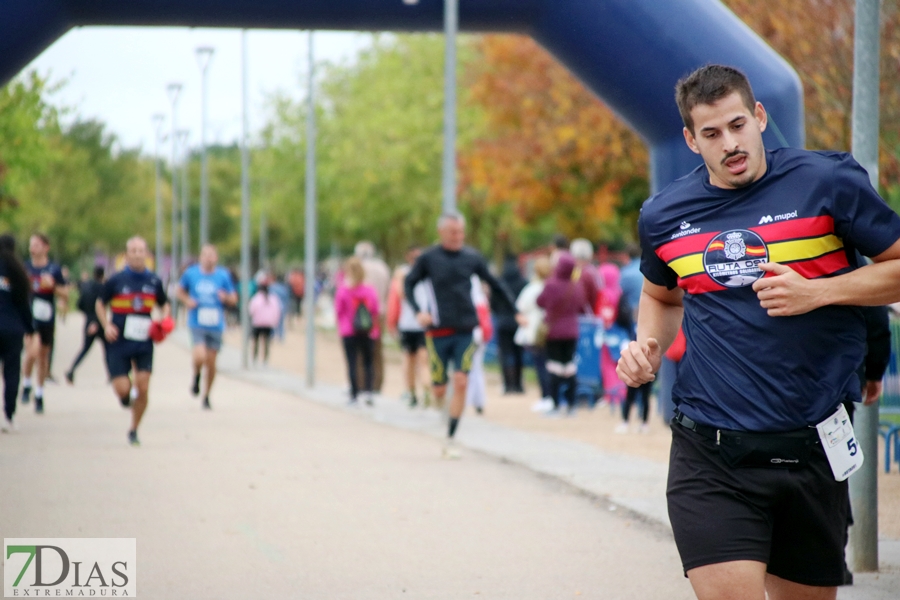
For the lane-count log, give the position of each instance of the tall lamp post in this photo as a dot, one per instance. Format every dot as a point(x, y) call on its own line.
point(245, 211)
point(158, 120)
point(309, 298)
point(451, 24)
point(174, 90)
point(204, 57)
point(183, 135)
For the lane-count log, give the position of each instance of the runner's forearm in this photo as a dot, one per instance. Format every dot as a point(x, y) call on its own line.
point(872, 285)
point(659, 320)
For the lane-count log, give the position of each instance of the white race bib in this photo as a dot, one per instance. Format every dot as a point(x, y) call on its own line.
point(840, 443)
point(137, 328)
point(41, 309)
point(208, 317)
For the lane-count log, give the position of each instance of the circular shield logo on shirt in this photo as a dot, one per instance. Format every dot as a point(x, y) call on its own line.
point(732, 258)
point(137, 304)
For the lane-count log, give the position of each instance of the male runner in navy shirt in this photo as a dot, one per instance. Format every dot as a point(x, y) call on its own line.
point(756, 255)
point(131, 295)
point(47, 282)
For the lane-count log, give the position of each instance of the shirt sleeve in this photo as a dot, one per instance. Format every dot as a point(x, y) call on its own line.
point(652, 266)
point(107, 291)
point(499, 290)
point(860, 215)
point(185, 282)
point(161, 297)
point(58, 277)
point(417, 273)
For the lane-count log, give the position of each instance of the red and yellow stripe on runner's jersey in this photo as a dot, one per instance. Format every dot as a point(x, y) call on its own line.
point(808, 245)
point(137, 303)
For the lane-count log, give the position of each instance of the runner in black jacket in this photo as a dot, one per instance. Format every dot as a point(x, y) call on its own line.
point(451, 317)
point(88, 292)
point(15, 323)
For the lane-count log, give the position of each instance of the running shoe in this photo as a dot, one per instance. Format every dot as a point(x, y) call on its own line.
point(7, 426)
point(543, 405)
point(195, 389)
point(621, 428)
point(26, 394)
point(133, 438)
point(70, 377)
point(413, 401)
point(450, 451)
point(125, 401)
point(206, 404)
point(479, 410)
point(39, 405)
point(369, 398)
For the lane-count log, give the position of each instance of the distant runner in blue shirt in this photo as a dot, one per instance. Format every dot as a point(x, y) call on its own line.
point(206, 289)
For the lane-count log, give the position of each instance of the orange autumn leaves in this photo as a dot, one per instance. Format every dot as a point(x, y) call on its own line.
point(550, 149)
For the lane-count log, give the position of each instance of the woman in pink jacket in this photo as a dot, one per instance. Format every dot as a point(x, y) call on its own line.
point(265, 314)
point(357, 310)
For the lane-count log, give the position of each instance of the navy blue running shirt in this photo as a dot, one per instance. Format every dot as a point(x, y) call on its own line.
point(743, 369)
point(134, 293)
point(43, 291)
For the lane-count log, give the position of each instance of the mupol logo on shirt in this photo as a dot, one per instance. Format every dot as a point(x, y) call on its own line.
point(785, 217)
point(732, 258)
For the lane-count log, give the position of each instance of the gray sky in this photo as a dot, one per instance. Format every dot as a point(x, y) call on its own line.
point(119, 75)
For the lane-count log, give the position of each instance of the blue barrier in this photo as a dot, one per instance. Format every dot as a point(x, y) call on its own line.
point(587, 358)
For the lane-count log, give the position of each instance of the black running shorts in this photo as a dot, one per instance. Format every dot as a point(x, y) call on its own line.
point(412, 341)
point(458, 348)
point(793, 520)
point(46, 331)
point(121, 354)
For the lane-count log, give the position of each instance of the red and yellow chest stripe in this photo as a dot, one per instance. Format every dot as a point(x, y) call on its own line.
point(808, 245)
point(136, 303)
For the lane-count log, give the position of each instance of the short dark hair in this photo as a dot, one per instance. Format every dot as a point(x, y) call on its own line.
point(41, 236)
point(708, 85)
point(99, 272)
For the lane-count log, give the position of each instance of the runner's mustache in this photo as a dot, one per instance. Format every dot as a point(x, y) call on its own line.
point(733, 154)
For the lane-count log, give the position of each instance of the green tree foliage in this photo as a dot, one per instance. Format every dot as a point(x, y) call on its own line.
point(24, 116)
point(379, 150)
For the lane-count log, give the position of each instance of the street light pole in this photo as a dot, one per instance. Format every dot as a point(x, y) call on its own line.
point(158, 120)
point(309, 299)
point(451, 24)
point(863, 539)
point(245, 211)
point(204, 56)
point(174, 90)
point(183, 135)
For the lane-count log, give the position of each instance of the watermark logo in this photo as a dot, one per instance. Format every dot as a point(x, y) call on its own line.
point(70, 568)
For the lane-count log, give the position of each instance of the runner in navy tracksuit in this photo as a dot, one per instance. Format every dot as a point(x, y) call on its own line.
point(15, 322)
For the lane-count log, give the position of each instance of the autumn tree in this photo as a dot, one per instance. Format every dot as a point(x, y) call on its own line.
point(816, 37)
point(552, 156)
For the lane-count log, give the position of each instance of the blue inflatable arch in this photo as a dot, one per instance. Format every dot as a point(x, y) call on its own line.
point(629, 52)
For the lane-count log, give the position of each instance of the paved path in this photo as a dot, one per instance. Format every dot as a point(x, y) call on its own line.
point(271, 493)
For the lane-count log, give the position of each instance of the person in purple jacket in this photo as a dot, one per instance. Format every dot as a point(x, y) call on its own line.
point(563, 300)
